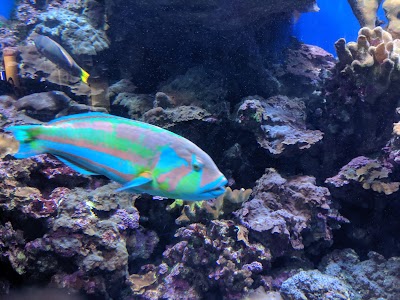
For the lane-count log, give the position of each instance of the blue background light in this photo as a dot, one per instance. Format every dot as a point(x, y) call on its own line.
point(6, 7)
point(334, 20)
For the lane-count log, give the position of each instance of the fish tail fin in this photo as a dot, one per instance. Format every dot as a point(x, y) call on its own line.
point(26, 136)
point(84, 76)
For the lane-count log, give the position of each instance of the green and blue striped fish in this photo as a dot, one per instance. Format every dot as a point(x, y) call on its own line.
point(142, 157)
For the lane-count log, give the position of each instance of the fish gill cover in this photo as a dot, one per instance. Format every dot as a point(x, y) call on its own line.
point(308, 143)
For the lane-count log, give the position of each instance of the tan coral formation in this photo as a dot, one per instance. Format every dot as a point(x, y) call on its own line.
point(392, 10)
point(366, 14)
point(365, 11)
point(375, 54)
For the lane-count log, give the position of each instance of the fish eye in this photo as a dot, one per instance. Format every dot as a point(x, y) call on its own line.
point(196, 167)
point(196, 164)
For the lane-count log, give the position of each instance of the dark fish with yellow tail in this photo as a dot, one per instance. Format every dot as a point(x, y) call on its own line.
point(59, 56)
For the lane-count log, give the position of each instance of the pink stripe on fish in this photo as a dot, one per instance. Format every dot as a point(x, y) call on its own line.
point(174, 177)
point(146, 136)
point(99, 125)
point(124, 131)
point(79, 117)
point(137, 159)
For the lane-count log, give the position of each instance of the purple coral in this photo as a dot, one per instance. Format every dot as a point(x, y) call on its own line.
point(126, 220)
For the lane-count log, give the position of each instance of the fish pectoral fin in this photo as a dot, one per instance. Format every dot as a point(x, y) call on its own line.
point(143, 178)
point(75, 167)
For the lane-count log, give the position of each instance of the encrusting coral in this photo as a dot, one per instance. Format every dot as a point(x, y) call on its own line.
point(204, 211)
point(314, 285)
point(82, 239)
point(369, 173)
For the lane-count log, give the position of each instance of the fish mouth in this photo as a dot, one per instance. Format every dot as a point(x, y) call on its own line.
point(218, 187)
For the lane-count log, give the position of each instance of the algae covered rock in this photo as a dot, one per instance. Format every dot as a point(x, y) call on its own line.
point(372, 278)
point(278, 123)
point(291, 213)
point(314, 285)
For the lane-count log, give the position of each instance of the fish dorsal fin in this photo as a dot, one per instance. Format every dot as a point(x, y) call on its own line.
point(143, 178)
point(80, 116)
point(75, 167)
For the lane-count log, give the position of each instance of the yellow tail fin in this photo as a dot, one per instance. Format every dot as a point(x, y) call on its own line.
point(84, 76)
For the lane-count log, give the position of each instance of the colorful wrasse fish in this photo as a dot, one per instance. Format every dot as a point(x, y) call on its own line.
point(143, 157)
point(59, 56)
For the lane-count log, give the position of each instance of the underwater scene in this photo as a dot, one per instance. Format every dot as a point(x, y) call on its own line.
point(218, 150)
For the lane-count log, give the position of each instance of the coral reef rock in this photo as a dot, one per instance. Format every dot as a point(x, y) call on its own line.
point(277, 122)
point(199, 86)
point(369, 173)
point(375, 278)
point(171, 116)
point(36, 67)
point(305, 70)
point(314, 285)
point(216, 14)
point(205, 258)
point(287, 214)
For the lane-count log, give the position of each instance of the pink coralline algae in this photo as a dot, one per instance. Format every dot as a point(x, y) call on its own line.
point(208, 257)
point(288, 214)
point(23, 189)
point(83, 239)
